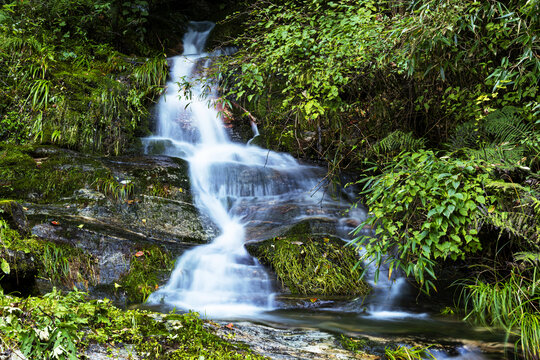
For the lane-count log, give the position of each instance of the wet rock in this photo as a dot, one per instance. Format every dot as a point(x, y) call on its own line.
point(13, 213)
point(284, 344)
point(108, 352)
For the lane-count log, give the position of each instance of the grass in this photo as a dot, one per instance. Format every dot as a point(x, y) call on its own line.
point(401, 352)
point(512, 304)
point(313, 266)
point(146, 267)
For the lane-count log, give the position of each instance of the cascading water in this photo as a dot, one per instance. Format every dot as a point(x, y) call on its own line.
point(228, 181)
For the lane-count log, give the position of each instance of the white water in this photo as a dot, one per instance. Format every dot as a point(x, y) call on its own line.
point(228, 180)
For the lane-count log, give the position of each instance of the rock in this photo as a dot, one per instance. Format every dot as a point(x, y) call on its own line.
point(285, 344)
point(102, 210)
point(108, 352)
point(13, 213)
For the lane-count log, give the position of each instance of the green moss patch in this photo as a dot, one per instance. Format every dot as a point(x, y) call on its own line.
point(147, 268)
point(45, 178)
point(311, 265)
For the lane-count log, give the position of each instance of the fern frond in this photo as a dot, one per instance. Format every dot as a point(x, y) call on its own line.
point(464, 136)
point(517, 224)
point(528, 257)
point(397, 142)
point(498, 154)
point(507, 126)
point(505, 186)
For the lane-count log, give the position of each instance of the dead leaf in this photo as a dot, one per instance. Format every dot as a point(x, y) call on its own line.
point(313, 300)
point(229, 326)
point(55, 223)
point(139, 253)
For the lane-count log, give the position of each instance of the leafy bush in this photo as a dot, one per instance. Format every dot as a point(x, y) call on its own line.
point(424, 208)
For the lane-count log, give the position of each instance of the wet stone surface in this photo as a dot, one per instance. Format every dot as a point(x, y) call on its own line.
point(284, 344)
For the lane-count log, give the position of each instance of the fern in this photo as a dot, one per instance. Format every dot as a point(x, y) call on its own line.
point(517, 224)
point(507, 126)
point(397, 142)
point(503, 138)
point(464, 136)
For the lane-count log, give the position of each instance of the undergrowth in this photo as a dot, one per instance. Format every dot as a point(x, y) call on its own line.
point(63, 326)
point(313, 266)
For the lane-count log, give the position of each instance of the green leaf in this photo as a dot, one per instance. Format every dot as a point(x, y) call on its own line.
point(449, 210)
point(4, 265)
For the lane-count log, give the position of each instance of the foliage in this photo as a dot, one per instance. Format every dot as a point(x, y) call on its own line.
point(512, 303)
point(147, 267)
point(61, 86)
point(313, 266)
point(58, 326)
point(401, 352)
point(423, 208)
point(367, 69)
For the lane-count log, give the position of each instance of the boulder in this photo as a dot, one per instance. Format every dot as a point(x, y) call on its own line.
point(13, 213)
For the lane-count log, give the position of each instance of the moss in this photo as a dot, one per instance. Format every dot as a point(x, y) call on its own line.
point(82, 322)
point(148, 267)
point(48, 178)
point(312, 265)
point(61, 264)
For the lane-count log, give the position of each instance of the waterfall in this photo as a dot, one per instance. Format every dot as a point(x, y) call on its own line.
point(230, 182)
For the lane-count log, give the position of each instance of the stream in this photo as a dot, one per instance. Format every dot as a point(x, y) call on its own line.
point(247, 192)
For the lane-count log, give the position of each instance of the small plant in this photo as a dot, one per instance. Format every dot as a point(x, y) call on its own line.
point(143, 277)
point(401, 352)
point(120, 191)
point(68, 266)
point(354, 345)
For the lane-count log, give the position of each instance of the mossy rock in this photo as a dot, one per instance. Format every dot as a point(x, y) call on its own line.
point(45, 174)
point(13, 213)
point(307, 264)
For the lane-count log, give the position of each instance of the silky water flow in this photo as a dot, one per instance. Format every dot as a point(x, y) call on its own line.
point(227, 179)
